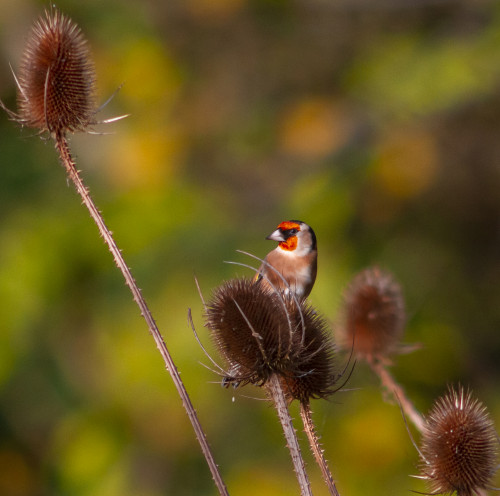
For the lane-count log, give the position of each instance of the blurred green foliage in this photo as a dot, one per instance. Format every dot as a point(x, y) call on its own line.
point(377, 122)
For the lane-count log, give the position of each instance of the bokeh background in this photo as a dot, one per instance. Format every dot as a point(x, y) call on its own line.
point(375, 121)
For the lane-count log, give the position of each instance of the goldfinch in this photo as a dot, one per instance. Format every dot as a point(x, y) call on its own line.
point(294, 259)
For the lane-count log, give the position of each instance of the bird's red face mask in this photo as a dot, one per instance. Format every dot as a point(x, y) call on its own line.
point(286, 235)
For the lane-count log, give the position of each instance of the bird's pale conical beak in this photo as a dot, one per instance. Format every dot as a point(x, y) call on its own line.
point(276, 236)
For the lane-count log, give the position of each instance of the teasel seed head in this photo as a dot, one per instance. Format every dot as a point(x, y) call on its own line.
point(260, 332)
point(373, 315)
point(313, 375)
point(56, 84)
point(459, 446)
point(245, 326)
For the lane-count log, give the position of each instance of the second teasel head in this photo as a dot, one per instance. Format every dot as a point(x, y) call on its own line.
point(259, 332)
point(373, 315)
point(56, 83)
point(313, 375)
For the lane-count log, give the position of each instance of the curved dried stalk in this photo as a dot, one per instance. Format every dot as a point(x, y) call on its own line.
point(69, 164)
point(395, 389)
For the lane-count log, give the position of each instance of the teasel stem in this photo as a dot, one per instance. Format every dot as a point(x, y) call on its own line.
point(277, 394)
point(317, 450)
point(63, 149)
point(398, 392)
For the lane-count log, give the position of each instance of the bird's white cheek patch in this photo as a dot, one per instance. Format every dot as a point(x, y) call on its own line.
point(287, 253)
point(300, 252)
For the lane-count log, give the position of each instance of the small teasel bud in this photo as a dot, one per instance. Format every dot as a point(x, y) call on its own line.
point(312, 375)
point(459, 447)
point(56, 84)
point(373, 314)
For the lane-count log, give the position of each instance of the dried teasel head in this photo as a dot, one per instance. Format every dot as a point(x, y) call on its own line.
point(56, 84)
point(313, 375)
point(459, 448)
point(373, 315)
point(260, 332)
point(248, 330)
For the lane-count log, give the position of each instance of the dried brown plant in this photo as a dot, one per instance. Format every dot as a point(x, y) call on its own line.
point(56, 84)
point(459, 449)
point(56, 94)
point(274, 340)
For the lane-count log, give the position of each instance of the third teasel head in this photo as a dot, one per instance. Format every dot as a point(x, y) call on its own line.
point(459, 447)
point(373, 315)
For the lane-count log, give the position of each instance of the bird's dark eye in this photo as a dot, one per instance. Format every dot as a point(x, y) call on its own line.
point(293, 231)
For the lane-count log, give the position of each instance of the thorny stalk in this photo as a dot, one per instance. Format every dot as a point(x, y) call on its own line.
point(70, 166)
point(276, 392)
point(317, 450)
point(398, 392)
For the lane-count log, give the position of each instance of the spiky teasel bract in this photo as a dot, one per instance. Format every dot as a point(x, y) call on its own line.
point(248, 331)
point(313, 376)
point(56, 84)
point(459, 447)
point(373, 314)
point(260, 332)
